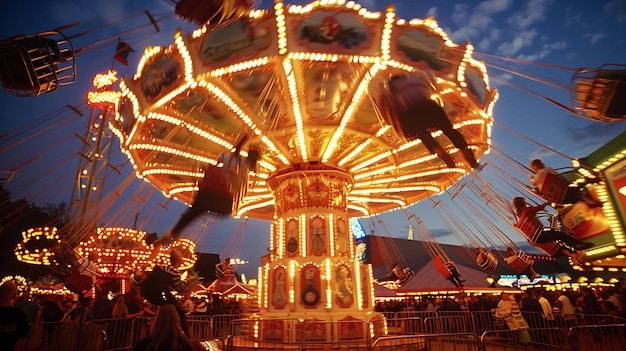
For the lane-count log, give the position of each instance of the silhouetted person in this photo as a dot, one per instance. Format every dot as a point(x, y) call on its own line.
point(13, 322)
point(166, 333)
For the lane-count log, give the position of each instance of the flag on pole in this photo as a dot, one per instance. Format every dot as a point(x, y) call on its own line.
point(122, 52)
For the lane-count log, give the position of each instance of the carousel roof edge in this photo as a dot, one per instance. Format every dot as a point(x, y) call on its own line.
point(606, 151)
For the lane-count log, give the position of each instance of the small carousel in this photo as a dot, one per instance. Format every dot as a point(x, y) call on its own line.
point(107, 257)
point(352, 113)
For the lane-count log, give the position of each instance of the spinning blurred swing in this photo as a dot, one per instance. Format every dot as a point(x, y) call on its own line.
point(482, 252)
point(501, 208)
point(36, 64)
point(31, 65)
point(520, 261)
point(597, 94)
point(440, 259)
point(214, 14)
point(395, 263)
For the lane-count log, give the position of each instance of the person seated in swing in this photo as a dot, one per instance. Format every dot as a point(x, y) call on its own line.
point(537, 233)
point(78, 273)
point(514, 257)
point(217, 195)
point(420, 116)
point(398, 275)
point(88, 266)
point(455, 276)
point(572, 194)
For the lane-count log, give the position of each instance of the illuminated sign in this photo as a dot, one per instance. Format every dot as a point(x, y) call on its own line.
point(615, 176)
point(357, 229)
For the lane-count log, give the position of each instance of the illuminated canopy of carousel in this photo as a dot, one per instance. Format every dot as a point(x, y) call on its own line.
point(311, 87)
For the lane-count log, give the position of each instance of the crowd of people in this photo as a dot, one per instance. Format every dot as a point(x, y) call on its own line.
point(586, 300)
point(20, 311)
point(150, 294)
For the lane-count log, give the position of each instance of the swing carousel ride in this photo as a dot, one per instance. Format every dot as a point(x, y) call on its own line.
point(353, 114)
point(336, 98)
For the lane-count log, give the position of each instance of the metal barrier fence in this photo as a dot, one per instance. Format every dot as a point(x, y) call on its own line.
point(586, 332)
point(529, 339)
point(599, 337)
point(429, 342)
point(62, 336)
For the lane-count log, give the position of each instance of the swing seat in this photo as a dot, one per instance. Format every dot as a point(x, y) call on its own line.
point(77, 283)
point(224, 272)
point(68, 266)
point(530, 227)
point(521, 262)
point(554, 187)
point(490, 264)
point(441, 267)
point(393, 281)
point(36, 64)
point(601, 93)
point(552, 248)
point(406, 276)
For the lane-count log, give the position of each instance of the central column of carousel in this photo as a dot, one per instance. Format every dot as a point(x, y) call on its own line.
point(312, 274)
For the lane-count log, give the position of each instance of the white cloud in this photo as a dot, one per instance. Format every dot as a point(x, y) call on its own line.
point(534, 12)
point(485, 43)
point(546, 49)
point(475, 22)
point(534, 57)
point(593, 37)
point(459, 13)
point(522, 40)
point(617, 8)
point(571, 18)
point(559, 45)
